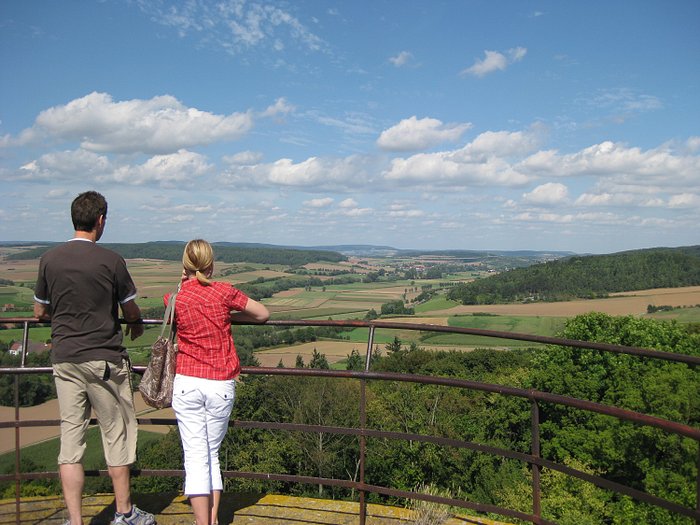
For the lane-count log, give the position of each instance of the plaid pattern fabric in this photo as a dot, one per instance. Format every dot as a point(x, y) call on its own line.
point(202, 318)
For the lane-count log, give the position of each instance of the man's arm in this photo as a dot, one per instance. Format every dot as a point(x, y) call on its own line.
point(132, 314)
point(42, 311)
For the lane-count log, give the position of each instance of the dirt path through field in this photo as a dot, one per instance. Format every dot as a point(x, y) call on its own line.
point(49, 410)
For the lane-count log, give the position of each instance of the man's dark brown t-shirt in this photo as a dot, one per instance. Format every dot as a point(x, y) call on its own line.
point(84, 284)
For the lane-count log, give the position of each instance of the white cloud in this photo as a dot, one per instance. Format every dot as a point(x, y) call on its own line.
point(406, 213)
point(355, 212)
point(319, 203)
point(235, 26)
point(348, 203)
point(516, 54)
point(57, 193)
point(616, 162)
point(76, 165)
point(568, 218)
point(505, 143)
point(182, 168)
point(482, 162)
point(495, 61)
point(592, 199)
point(180, 208)
point(547, 194)
point(313, 174)
point(619, 198)
point(401, 59)
point(625, 100)
point(693, 144)
point(685, 200)
point(414, 134)
point(159, 125)
point(352, 123)
point(280, 107)
point(243, 158)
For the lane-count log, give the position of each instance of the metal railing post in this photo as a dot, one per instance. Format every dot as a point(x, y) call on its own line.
point(536, 499)
point(23, 362)
point(697, 486)
point(363, 426)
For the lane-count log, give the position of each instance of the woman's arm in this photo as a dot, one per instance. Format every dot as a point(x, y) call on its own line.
point(254, 312)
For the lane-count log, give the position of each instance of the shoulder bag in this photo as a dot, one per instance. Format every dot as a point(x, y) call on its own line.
point(156, 386)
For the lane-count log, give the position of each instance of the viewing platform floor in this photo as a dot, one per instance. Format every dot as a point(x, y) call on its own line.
point(235, 509)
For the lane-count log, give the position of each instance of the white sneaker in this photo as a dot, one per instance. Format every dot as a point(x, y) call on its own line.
point(138, 517)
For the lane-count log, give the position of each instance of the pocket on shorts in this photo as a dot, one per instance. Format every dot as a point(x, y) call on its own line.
point(185, 393)
point(222, 397)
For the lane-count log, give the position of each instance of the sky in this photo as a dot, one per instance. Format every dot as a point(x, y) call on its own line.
point(432, 125)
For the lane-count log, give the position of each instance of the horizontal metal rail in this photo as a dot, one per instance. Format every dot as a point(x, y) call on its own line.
point(363, 433)
point(558, 341)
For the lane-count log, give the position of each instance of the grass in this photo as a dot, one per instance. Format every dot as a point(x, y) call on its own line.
point(37, 333)
point(682, 315)
point(44, 454)
point(427, 512)
point(539, 325)
point(20, 296)
point(440, 302)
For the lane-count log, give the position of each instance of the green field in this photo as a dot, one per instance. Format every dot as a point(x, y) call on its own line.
point(44, 455)
point(682, 315)
point(545, 326)
point(20, 296)
point(440, 302)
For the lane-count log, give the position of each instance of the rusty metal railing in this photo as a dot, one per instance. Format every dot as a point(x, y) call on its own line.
point(362, 432)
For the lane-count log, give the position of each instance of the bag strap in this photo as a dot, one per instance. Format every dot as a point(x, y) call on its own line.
point(169, 317)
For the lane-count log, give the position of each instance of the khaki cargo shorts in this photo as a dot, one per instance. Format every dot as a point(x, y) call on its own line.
point(105, 389)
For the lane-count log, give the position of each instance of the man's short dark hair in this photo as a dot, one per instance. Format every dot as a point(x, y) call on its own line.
point(86, 209)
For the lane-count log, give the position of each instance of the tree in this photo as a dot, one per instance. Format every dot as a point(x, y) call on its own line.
point(355, 361)
point(299, 362)
point(371, 314)
point(643, 457)
point(394, 346)
point(318, 360)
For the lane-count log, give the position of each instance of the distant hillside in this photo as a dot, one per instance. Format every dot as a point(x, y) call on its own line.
point(587, 277)
point(490, 259)
point(225, 252)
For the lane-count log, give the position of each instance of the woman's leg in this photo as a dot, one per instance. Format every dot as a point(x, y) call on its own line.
point(189, 404)
point(215, 500)
point(218, 412)
point(201, 507)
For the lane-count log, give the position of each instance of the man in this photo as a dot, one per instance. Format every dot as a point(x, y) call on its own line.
point(80, 288)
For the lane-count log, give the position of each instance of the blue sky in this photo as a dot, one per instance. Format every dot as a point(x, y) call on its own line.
point(504, 125)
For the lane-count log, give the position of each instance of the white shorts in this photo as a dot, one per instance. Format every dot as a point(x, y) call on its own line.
point(202, 408)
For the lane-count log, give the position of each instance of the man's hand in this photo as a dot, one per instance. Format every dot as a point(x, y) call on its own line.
point(42, 311)
point(134, 330)
point(132, 313)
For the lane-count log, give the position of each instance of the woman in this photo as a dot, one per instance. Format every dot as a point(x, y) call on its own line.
point(207, 365)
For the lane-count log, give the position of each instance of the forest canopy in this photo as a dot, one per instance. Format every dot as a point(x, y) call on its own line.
point(224, 252)
point(586, 277)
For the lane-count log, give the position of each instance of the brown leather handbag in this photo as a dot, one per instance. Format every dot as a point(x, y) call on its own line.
point(156, 386)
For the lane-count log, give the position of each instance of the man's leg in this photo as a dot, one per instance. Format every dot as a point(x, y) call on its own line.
point(112, 400)
point(122, 491)
point(74, 409)
point(72, 481)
